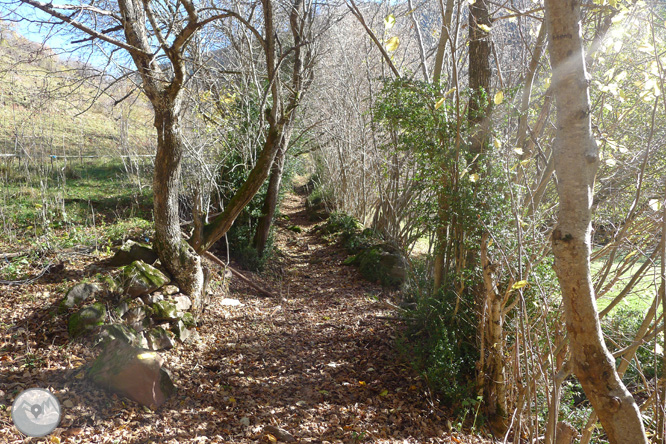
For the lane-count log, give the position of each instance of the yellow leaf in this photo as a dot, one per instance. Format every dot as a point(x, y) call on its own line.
point(271, 438)
point(384, 393)
point(496, 143)
point(389, 21)
point(524, 162)
point(611, 162)
point(232, 400)
point(361, 382)
point(54, 440)
point(473, 177)
point(490, 243)
point(80, 375)
point(484, 28)
point(518, 151)
point(499, 98)
point(393, 43)
point(519, 284)
point(439, 103)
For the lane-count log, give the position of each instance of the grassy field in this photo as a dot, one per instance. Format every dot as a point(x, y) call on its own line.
point(642, 293)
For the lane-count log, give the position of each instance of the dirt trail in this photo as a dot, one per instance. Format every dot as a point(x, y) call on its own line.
point(318, 361)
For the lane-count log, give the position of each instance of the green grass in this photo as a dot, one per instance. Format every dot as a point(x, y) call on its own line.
point(641, 295)
point(39, 201)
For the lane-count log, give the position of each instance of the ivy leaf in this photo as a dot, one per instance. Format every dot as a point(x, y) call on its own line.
point(393, 43)
point(499, 98)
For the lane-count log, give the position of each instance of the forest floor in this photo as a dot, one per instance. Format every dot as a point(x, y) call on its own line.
point(316, 364)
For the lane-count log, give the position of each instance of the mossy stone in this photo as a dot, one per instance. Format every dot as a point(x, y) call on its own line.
point(165, 310)
point(86, 319)
point(140, 279)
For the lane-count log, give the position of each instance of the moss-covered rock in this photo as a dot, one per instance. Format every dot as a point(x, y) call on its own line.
point(133, 251)
point(188, 320)
point(140, 279)
point(86, 319)
point(383, 263)
point(165, 311)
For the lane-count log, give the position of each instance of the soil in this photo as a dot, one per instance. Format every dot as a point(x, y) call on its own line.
point(318, 363)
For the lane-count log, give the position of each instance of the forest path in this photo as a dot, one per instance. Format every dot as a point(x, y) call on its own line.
point(319, 361)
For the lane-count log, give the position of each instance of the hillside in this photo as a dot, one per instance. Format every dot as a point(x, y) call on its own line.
point(53, 105)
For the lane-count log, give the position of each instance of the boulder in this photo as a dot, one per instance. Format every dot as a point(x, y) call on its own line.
point(77, 294)
point(86, 319)
point(165, 311)
point(160, 339)
point(140, 279)
point(132, 372)
point(133, 251)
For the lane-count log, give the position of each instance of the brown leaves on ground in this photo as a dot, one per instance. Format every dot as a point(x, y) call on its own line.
point(316, 365)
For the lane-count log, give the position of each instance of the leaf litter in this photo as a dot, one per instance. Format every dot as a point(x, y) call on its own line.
point(318, 364)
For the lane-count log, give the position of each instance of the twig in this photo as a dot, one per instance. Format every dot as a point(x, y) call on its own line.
point(29, 280)
point(210, 256)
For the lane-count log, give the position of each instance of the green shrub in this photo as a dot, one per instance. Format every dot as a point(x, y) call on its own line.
point(441, 345)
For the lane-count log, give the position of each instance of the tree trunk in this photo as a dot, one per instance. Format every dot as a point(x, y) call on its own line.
point(492, 358)
point(180, 260)
point(270, 201)
point(576, 161)
point(479, 76)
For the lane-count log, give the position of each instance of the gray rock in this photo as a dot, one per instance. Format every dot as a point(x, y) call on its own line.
point(132, 372)
point(152, 298)
point(171, 290)
point(182, 302)
point(140, 279)
point(183, 333)
point(165, 311)
point(77, 294)
point(133, 251)
point(160, 339)
point(139, 317)
point(86, 319)
point(122, 308)
point(118, 331)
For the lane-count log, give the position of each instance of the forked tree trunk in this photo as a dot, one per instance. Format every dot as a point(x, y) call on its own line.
point(176, 255)
point(576, 161)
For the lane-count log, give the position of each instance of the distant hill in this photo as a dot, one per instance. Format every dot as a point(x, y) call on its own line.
point(50, 106)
